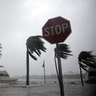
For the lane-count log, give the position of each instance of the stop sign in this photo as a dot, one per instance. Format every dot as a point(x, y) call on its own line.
point(56, 30)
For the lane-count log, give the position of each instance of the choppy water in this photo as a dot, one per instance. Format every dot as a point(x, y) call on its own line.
point(72, 87)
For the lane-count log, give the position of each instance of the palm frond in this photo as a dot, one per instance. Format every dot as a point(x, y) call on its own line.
point(90, 64)
point(63, 51)
point(85, 55)
point(87, 58)
point(64, 47)
point(29, 52)
point(83, 66)
point(35, 44)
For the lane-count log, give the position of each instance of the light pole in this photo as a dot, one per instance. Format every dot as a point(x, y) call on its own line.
point(44, 72)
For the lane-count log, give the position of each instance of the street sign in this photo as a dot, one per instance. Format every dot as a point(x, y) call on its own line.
point(56, 30)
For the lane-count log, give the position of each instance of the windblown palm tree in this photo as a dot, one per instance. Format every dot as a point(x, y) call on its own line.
point(64, 52)
point(86, 60)
point(34, 45)
point(61, 51)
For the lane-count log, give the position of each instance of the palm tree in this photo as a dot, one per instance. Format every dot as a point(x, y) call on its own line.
point(34, 45)
point(61, 51)
point(86, 60)
point(0, 49)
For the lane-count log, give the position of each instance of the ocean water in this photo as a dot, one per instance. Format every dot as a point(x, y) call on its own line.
point(72, 87)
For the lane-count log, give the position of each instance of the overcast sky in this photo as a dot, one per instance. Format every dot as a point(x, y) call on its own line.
point(20, 19)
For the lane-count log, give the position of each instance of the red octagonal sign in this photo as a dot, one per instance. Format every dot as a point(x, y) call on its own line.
point(56, 30)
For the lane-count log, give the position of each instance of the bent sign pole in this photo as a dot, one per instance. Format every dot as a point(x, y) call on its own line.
point(60, 71)
point(56, 30)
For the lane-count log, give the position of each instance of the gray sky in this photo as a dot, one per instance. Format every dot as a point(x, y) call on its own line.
point(20, 19)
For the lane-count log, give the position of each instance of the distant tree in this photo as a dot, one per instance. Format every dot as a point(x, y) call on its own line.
point(0, 49)
point(86, 60)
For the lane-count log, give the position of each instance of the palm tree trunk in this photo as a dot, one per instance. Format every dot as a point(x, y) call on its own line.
point(81, 75)
point(27, 68)
point(56, 67)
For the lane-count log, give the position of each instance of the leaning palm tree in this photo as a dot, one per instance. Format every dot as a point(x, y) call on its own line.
point(34, 44)
point(61, 51)
point(64, 52)
point(86, 60)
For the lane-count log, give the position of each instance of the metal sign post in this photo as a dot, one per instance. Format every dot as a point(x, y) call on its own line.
point(60, 72)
